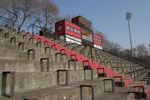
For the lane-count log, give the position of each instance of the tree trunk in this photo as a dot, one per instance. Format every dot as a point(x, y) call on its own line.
point(24, 19)
point(46, 20)
point(14, 22)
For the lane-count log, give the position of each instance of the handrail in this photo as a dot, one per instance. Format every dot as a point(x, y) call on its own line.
point(85, 46)
point(74, 48)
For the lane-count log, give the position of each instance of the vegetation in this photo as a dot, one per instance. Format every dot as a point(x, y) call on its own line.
point(42, 13)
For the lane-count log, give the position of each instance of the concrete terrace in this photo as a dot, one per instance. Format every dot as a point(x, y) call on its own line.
point(33, 67)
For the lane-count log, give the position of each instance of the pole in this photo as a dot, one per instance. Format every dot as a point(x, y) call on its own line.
point(130, 36)
point(91, 53)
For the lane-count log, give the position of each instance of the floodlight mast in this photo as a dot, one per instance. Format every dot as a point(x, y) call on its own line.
point(128, 18)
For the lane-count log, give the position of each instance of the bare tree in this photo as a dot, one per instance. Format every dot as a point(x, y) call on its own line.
point(116, 46)
point(127, 51)
point(149, 49)
point(28, 9)
point(142, 50)
point(47, 15)
point(9, 11)
point(134, 52)
point(18, 10)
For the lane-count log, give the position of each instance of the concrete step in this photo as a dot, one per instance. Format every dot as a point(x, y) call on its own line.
point(119, 77)
point(113, 96)
point(125, 82)
point(29, 81)
point(16, 54)
point(108, 74)
point(12, 54)
point(26, 47)
point(34, 65)
point(140, 94)
point(70, 92)
point(26, 43)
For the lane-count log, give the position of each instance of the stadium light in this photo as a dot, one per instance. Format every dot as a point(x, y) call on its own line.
point(128, 18)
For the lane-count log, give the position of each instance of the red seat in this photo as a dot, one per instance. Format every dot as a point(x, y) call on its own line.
point(68, 52)
point(59, 47)
point(109, 74)
point(127, 82)
point(115, 73)
point(118, 78)
point(139, 84)
point(102, 66)
point(87, 62)
point(148, 92)
point(80, 58)
point(105, 70)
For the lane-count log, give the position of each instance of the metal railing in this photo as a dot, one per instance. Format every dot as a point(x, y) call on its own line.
point(126, 56)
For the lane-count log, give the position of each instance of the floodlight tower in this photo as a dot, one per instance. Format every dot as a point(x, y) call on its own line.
point(128, 18)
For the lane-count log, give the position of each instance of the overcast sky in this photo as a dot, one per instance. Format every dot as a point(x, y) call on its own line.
point(108, 16)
